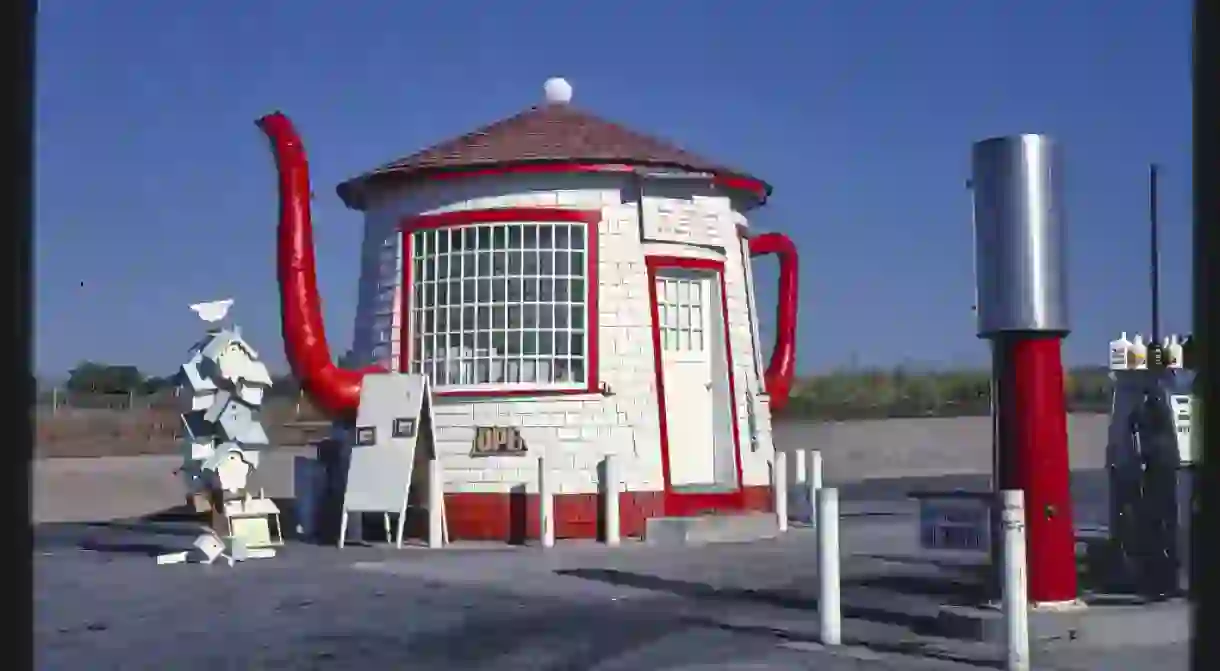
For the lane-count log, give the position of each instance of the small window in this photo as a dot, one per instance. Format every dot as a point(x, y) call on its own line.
point(682, 310)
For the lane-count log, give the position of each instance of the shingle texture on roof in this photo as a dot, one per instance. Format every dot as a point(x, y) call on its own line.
point(547, 133)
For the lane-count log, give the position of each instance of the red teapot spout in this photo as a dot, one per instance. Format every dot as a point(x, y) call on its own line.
point(333, 390)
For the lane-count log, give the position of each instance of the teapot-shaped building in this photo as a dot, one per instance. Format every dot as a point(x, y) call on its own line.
point(563, 276)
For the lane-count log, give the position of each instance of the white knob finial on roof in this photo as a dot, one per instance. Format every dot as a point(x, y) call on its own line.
point(558, 91)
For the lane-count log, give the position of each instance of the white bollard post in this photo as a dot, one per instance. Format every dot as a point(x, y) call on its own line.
point(813, 481)
point(779, 488)
point(436, 504)
point(1016, 598)
point(828, 567)
point(546, 506)
point(611, 488)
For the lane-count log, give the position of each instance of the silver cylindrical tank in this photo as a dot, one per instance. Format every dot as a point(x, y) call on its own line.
point(1019, 235)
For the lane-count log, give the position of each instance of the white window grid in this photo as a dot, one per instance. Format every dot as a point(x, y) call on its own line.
point(501, 306)
point(680, 306)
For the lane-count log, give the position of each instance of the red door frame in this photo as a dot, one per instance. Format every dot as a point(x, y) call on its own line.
point(678, 503)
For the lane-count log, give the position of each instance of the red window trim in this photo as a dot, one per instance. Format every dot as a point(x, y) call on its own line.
point(590, 218)
point(676, 502)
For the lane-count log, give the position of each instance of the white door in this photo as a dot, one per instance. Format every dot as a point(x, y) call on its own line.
point(684, 320)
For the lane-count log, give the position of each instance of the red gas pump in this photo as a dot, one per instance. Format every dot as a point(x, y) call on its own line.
point(1020, 266)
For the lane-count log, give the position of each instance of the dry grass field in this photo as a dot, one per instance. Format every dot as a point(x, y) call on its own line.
point(109, 432)
point(932, 444)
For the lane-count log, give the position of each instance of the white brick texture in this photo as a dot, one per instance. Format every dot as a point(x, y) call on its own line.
point(574, 432)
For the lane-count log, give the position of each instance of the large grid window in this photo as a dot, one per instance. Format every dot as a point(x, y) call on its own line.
point(500, 305)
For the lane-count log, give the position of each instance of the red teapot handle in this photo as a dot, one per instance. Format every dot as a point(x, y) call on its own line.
point(782, 367)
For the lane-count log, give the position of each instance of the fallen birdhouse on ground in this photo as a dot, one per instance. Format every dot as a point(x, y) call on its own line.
point(254, 521)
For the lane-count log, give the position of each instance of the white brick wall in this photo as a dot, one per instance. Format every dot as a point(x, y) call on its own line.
point(574, 432)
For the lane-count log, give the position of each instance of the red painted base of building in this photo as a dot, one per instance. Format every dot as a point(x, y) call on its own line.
point(513, 517)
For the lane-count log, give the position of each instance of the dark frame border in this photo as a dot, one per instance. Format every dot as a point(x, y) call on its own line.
point(1205, 555)
point(17, 151)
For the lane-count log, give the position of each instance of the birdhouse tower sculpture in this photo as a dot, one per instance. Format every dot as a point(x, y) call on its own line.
point(224, 384)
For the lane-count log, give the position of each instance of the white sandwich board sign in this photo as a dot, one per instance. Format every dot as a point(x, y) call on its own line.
point(393, 424)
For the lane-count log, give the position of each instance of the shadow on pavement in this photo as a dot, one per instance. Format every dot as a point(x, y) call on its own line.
point(917, 624)
point(925, 624)
point(908, 648)
point(564, 634)
point(954, 592)
point(168, 530)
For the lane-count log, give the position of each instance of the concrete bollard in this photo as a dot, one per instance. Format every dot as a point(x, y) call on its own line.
point(1016, 598)
point(813, 481)
point(436, 505)
point(829, 604)
point(611, 486)
point(779, 488)
point(546, 506)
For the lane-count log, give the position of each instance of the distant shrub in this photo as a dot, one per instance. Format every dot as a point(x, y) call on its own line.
point(900, 392)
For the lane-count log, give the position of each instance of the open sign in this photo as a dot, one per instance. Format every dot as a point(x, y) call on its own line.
point(497, 440)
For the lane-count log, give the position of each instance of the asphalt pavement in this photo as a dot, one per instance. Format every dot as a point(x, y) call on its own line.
point(103, 603)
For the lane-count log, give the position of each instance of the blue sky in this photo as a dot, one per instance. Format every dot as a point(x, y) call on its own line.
point(155, 189)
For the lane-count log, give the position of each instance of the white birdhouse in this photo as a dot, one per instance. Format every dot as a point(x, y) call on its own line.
point(196, 381)
point(256, 372)
point(251, 522)
point(228, 469)
point(197, 450)
point(224, 358)
point(197, 447)
point(209, 548)
point(252, 457)
point(254, 382)
point(235, 421)
point(251, 394)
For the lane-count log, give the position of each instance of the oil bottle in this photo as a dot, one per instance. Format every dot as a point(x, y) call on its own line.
point(1119, 350)
point(1137, 354)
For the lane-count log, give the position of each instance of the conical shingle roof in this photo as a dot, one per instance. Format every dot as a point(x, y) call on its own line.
point(554, 133)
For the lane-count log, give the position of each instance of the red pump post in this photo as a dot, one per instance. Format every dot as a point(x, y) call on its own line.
point(1020, 267)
